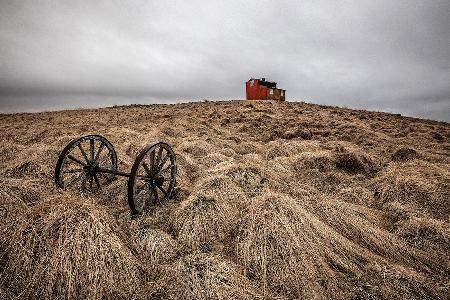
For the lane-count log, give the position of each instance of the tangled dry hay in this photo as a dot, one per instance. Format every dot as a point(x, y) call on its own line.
point(318, 160)
point(291, 252)
point(205, 276)
point(273, 201)
point(213, 159)
point(202, 220)
point(354, 161)
point(156, 246)
point(248, 177)
point(67, 248)
point(404, 154)
point(13, 198)
point(195, 148)
point(420, 185)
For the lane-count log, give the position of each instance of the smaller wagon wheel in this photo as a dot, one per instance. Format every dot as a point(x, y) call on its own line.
point(152, 177)
point(79, 164)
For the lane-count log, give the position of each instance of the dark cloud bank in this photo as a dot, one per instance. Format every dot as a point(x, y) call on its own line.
point(378, 55)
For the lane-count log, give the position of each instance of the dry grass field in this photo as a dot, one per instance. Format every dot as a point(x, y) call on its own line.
point(273, 201)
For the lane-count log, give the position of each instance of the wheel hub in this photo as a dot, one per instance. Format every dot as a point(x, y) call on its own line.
point(156, 181)
point(159, 180)
point(91, 169)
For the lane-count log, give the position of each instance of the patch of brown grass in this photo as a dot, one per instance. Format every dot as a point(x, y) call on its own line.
point(205, 276)
point(273, 200)
point(354, 161)
point(404, 154)
point(68, 248)
point(13, 201)
point(156, 246)
point(421, 185)
point(280, 246)
point(202, 221)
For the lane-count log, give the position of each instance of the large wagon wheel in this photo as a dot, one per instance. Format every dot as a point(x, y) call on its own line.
point(79, 164)
point(152, 177)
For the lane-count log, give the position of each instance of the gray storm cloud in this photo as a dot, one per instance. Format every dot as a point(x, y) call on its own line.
point(379, 55)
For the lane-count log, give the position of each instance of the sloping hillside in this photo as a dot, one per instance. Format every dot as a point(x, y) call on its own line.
point(274, 200)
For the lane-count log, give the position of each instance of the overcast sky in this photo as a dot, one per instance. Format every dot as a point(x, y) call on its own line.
point(379, 55)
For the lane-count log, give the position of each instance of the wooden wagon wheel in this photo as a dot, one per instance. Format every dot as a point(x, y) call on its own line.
point(80, 162)
point(152, 177)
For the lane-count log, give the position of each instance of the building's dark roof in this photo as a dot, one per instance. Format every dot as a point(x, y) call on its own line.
point(263, 82)
point(267, 83)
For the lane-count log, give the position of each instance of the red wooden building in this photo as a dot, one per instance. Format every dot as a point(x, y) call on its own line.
point(260, 89)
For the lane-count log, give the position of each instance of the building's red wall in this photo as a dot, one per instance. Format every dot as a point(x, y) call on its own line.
point(262, 92)
point(255, 91)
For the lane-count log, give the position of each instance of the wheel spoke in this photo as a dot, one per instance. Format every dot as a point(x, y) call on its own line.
point(155, 193)
point(82, 152)
point(142, 191)
point(158, 159)
point(74, 179)
point(100, 148)
point(152, 160)
point(76, 160)
point(149, 172)
point(164, 160)
point(97, 182)
point(162, 190)
point(83, 182)
point(166, 168)
point(91, 149)
point(108, 178)
point(142, 197)
point(91, 182)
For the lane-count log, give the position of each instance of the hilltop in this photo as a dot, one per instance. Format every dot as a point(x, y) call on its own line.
point(273, 200)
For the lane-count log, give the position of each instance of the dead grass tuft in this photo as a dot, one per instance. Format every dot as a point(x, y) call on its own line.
point(318, 160)
point(248, 177)
point(404, 154)
point(304, 134)
point(195, 148)
point(12, 205)
point(425, 233)
point(213, 159)
point(279, 246)
point(68, 248)
point(23, 169)
point(187, 168)
point(421, 185)
point(156, 246)
point(355, 162)
point(202, 221)
point(225, 190)
point(357, 195)
point(205, 276)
